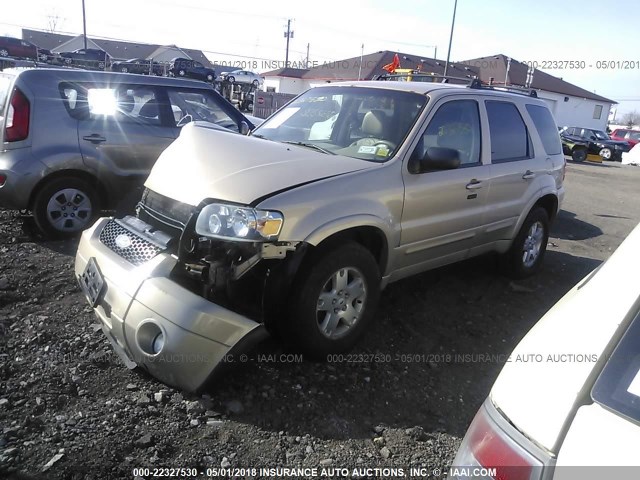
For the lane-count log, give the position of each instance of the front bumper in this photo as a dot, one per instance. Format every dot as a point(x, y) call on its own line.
point(137, 302)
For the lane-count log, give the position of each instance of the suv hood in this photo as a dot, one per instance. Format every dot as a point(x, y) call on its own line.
point(204, 163)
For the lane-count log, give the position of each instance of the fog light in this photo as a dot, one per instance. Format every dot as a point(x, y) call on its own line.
point(157, 344)
point(150, 337)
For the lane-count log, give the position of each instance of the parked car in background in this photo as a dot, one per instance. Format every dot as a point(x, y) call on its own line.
point(598, 142)
point(91, 58)
point(569, 395)
point(185, 67)
point(17, 48)
point(242, 76)
point(137, 65)
point(632, 137)
point(299, 226)
point(76, 142)
point(47, 56)
point(576, 148)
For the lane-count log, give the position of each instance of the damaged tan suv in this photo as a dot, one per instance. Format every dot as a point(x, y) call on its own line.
point(297, 228)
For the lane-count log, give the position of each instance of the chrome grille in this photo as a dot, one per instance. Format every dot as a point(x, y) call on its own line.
point(137, 252)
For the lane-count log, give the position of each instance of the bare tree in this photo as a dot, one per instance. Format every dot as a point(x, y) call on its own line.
point(631, 118)
point(53, 21)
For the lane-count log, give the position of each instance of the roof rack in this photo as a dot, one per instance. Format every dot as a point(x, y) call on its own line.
point(528, 91)
point(420, 76)
point(472, 82)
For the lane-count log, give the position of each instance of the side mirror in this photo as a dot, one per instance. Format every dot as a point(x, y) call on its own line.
point(435, 158)
point(244, 128)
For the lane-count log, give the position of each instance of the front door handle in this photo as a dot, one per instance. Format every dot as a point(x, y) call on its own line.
point(474, 184)
point(94, 138)
point(528, 175)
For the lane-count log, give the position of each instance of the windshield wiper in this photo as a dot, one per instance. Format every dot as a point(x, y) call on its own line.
point(310, 145)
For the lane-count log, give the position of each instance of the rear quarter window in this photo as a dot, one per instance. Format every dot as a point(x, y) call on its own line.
point(618, 386)
point(547, 129)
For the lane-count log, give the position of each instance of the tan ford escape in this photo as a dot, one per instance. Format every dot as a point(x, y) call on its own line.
point(295, 229)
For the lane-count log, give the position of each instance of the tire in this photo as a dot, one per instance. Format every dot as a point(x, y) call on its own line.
point(182, 73)
point(65, 206)
point(255, 83)
point(348, 277)
point(4, 52)
point(231, 79)
point(124, 70)
point(526, 254)
point(579, 155)
point(606, 153)
point(209, 78)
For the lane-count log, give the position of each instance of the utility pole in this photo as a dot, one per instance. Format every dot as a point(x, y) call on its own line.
point(360, 67)
point(453, 21)
point(306, 64)
point(288, 34)
point(84, 25)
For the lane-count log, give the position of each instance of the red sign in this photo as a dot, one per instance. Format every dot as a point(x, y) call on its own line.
point(260, 100)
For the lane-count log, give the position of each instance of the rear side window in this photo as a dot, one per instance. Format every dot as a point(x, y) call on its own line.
point(123, 103)
point(547, 129)
point(509, 135)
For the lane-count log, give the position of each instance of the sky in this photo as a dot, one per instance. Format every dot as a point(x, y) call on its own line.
point(252, 31)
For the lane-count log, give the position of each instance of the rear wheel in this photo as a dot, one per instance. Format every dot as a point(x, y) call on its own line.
point(124, 70)
point(256, 83)
point(231, 79)
point(182, 73)
point(209, 78)
point(65, 206)
point(4, 52)
point(334, 301)
point(526, 254)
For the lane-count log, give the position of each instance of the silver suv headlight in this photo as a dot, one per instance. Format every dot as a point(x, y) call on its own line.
point(233, 222)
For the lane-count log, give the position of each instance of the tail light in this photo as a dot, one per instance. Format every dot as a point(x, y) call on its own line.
point(17, 126)
point(3, 179)
point(489, 452)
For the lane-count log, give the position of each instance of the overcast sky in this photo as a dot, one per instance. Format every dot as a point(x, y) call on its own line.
point(540, 30)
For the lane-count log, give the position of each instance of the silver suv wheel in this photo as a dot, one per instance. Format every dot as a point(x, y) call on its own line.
point(333, 300)
point(341, 302)
point(533, 244)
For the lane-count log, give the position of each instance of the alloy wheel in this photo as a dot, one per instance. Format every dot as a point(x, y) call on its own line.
point(341, 302)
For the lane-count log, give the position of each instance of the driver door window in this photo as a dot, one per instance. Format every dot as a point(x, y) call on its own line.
point(188, 106)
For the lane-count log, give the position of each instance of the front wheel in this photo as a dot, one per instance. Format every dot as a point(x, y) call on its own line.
point(526, 254)
point(64, 207)
point(334, 301)
point(606, 153)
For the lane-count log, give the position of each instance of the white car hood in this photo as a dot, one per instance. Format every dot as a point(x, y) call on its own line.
point(205, 163)
point(538, 388)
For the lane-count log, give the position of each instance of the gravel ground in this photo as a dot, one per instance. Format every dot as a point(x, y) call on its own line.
point(70, 410)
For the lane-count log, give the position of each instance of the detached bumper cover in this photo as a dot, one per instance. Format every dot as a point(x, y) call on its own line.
point(136, 300)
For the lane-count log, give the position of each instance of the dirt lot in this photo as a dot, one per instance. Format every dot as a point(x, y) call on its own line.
point(69, 409)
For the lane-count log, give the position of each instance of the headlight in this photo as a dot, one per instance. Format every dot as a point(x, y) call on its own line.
point(238, 223)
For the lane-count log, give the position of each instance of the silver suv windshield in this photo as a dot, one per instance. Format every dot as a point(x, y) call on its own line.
point(365, 123)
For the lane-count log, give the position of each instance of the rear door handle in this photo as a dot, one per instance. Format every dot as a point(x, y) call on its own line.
point(528, 175)
point(94, 138)
point(474, 184)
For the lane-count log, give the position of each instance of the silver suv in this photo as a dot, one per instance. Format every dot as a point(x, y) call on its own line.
point(297, 228)
point(74, 142)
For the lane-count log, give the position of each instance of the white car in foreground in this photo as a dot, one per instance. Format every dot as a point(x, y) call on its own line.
point(569, 396)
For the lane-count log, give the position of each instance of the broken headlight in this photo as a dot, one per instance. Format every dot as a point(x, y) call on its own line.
point(233, 222)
